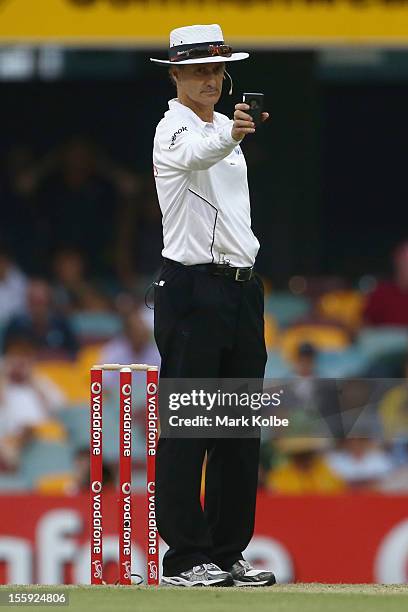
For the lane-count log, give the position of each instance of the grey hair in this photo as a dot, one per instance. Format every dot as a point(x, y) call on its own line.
point(171, 77)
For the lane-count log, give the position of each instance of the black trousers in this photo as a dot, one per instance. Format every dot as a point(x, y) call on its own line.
point(207, 326)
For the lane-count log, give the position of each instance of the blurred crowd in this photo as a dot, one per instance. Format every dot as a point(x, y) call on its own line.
point(76, 196)
point(80, 242)
point(345, 435)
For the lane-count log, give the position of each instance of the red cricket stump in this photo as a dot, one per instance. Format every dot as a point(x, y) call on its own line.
point(152, 544)
point(125, 471)
point(125, 476)
point(96, 458)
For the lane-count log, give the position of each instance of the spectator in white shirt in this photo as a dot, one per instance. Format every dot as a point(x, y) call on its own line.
point(361, 462)
point(27, 400)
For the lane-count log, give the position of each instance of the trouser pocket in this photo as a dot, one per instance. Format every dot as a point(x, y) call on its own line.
point(173, 303)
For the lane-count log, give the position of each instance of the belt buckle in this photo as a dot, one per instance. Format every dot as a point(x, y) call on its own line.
point(244, 270)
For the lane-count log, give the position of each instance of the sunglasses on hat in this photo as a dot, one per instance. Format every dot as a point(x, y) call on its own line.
point(200, 52)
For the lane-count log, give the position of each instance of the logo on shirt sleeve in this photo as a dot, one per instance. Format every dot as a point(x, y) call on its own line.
point(173, 138)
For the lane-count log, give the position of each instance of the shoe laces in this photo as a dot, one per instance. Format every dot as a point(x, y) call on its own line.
point(213, 566)
point(245, 564)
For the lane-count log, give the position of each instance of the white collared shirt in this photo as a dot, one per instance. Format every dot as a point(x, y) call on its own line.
point(202, 187)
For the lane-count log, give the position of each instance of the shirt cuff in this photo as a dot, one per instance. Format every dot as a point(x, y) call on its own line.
point(225, 135)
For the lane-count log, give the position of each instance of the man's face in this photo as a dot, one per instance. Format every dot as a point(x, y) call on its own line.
point(202, 83)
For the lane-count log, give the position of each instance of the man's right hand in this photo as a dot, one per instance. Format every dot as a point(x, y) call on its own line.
point(243, 123)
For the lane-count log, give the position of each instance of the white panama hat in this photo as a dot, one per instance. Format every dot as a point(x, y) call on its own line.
point(199, 44)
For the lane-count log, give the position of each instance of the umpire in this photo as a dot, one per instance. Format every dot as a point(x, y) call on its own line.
point(208, 312)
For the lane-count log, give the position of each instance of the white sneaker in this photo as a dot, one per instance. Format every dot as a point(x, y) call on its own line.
point(244, 574)
point(207, 574)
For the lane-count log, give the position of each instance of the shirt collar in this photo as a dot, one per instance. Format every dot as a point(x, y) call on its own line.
point(175, 105)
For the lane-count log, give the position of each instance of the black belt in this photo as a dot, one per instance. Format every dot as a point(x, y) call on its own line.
point(238, 274)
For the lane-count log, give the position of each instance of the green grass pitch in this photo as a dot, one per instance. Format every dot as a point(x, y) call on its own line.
point(281, 598)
